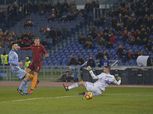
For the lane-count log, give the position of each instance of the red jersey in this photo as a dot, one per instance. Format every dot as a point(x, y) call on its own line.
point(37, 52)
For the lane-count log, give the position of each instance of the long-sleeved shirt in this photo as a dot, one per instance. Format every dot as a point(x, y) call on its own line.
point(104, 80)
point(14, 61)
point(14, 64)
point(13, 58)
point(37, 52)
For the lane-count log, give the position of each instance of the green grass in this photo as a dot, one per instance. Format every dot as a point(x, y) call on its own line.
point(48, 101)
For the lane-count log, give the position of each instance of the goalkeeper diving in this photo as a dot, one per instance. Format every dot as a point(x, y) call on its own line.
point(97, 88)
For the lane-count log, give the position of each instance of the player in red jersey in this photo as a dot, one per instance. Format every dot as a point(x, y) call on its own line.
point(38, 52)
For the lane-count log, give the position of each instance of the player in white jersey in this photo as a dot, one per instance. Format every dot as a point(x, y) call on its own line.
point(103, 80)
point(15, 68)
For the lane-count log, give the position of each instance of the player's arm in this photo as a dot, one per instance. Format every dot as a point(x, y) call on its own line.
point(117, 81)
point(92, 73)
point(26, 48)
point(84, 64)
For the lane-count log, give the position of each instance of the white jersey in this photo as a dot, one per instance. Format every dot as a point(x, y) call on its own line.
point(13, 58)
point(14, 64)
point(104, 80)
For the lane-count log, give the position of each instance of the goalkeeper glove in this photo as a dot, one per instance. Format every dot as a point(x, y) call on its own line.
point(89, 68)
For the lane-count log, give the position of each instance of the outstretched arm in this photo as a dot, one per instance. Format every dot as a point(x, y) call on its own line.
point(25, 48)
point(91, 73)
point(117, 81)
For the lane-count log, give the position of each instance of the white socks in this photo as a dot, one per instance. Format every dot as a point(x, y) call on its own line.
point(74, 85)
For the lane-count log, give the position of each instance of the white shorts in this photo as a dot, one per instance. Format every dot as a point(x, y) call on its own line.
point(90, 87)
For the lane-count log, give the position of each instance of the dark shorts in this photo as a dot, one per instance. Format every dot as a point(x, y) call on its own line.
point(35, 66)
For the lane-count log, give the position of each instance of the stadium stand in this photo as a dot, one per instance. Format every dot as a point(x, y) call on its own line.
point(121, 34)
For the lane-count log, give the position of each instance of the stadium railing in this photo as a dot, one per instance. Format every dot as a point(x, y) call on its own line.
point(132, 75)
point(47, 73)
point(129, 74)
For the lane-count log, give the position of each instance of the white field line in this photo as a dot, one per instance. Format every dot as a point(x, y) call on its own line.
point(37, 98)
point(61, 97)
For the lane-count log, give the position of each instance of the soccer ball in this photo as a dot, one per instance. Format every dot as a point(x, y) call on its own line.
point(88, 95)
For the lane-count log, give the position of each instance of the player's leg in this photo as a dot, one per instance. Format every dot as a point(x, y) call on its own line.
point(90, 87)
point(37, 83)
point(74, 85)
point(35, 67)
point(25, 88)
point(37, 71)
point(28, 70)
point(33, 82)
point(24, 83)
point(96, 92)
point(26, 79)
point(22, 76)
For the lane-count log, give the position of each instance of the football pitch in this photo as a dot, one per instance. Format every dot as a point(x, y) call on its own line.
point(54, 100)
